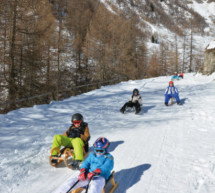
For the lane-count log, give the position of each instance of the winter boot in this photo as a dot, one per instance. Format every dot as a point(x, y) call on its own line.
point(166, 104)
point(178, 103)
point(54, 159)
point(138, 110)
point(76, 164)
point(122, 110)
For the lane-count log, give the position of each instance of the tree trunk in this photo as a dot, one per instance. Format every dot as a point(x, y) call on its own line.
point(12, 73)
point(191, 49)
point(183, 58)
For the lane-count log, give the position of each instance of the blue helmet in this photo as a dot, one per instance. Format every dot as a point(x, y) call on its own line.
point(101, 145)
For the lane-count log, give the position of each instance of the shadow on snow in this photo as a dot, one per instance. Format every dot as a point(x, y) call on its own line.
point(129, 177)
point(114, 144)
point(147, 108)
point(183, 101)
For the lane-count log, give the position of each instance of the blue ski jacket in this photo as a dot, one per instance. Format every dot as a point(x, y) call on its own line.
point(171, 90)
point(105, 163)
point(174, 77)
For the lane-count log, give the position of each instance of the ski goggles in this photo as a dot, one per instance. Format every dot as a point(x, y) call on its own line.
point(76, 122)
point(99, 151)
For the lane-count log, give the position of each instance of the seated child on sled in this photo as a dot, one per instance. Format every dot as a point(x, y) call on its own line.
point(135, 101)
point(171, 92)
point(76, 137)
point(175, 76)
point(95, 170)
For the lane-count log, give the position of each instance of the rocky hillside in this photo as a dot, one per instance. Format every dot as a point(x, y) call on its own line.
point(175, 15)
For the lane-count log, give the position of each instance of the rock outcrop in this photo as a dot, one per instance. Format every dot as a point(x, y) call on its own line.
point(209, 59)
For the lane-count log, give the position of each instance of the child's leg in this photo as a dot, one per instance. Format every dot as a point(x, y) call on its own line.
point(69, 183)
point(176, 97)
point(60, 140)
point(96, 185)
point(137, 106)
point(78, 144)
point(167, 97)
point(128, 104)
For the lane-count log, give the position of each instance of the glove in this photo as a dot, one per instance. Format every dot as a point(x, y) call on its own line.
point(82, 175)
point(94, 173)
point(75, 133)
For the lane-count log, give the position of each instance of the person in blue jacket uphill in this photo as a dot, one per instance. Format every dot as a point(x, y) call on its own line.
point(171, 91)
point(175, 76)
point(135, 101)
point(95, 170)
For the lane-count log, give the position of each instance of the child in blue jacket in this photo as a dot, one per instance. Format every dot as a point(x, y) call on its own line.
point(95, 170)
point(171, 91)
point(175, 76)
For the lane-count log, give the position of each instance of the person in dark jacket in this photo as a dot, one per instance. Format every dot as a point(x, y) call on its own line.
point(75, 137)
point(135, 101)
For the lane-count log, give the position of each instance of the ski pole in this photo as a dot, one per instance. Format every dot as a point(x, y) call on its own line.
point(73, 186)
point(88, 185)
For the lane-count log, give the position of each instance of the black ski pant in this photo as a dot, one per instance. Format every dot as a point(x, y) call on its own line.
point(130, 104)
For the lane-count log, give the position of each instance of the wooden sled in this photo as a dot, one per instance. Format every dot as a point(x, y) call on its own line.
point(171, 101)
point(64, 155)
point(111, 180)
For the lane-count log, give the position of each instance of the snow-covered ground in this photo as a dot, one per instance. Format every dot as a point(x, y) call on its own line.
point(161, 150)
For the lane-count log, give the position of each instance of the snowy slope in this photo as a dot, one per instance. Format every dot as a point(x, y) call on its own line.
point(162, 150)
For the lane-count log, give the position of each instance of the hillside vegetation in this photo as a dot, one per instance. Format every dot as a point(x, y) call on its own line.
point(48, 48)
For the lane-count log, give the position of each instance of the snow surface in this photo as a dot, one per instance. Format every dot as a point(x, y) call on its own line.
point(161, 150)
point(211, 45)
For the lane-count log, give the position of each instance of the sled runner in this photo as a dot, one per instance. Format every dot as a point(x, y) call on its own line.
point(172, 101)
point(64, 155)
point(111, 180)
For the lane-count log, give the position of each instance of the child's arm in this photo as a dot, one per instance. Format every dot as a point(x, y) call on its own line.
point(107, 166)
point(140, 99)
point(86, 134)
point(65, 133)
point(166, 91)
point(130, 100)
point(176, 90)
point(86, 163)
